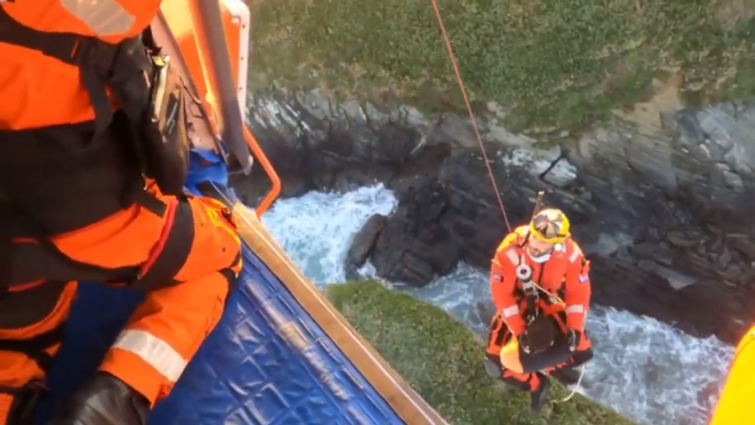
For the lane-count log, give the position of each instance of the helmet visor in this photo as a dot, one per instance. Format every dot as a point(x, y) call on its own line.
point(549, 227)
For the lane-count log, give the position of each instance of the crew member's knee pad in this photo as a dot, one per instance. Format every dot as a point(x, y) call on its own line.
point(216, 245)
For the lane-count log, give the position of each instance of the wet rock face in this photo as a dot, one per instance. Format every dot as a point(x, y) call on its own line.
point(702, 158)
point(363, 244)
point(662, 211)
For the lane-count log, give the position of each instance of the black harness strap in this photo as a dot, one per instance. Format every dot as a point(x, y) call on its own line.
point(532, 296)
point(172, 252)
point(39, 258)
point(101, 64)
point(35, 347)
point(43, 261)
point(97, 60)
point(125, 68)
point(26, 397)
point(6, 245)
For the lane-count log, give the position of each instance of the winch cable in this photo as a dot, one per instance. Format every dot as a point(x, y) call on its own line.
point(476, 129)
point(463, 89)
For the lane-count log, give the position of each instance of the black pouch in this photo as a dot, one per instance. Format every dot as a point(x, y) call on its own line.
point(555, 355)
point(164, 131)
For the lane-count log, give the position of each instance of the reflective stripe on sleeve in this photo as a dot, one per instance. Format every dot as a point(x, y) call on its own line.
point(511, 311)
point(104, 17)
point(511, 255)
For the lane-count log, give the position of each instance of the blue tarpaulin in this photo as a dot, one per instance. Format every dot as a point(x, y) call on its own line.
point(249, 370)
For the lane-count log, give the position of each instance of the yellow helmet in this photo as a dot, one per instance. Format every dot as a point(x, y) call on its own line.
point(550, 225)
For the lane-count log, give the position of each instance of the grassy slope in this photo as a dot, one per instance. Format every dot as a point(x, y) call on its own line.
point(555, 62)
point(441, 359)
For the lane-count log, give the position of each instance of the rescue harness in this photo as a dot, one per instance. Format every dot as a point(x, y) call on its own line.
point(531, 291)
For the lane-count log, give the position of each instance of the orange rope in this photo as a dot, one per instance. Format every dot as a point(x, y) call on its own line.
point(469, 109)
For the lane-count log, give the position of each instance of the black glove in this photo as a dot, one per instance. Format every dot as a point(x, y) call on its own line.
point(575, 337)
point(103, 400)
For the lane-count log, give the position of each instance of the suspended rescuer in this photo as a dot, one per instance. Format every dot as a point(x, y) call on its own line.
point(93, 156)
point(541, 291)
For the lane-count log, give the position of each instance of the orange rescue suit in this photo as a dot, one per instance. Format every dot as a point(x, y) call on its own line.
point(43, 90)
point(46, 118)
point(565, 273)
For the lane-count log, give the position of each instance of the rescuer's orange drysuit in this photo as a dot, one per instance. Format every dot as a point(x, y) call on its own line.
point(564, 276)
point(75, 205)
point(45, 91)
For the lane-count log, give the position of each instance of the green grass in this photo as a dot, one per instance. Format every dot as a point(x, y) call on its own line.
point(564, 63)
point(442, 360)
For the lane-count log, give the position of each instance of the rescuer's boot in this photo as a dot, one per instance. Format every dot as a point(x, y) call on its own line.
point(537, 397)
point(566, 375)
point(103, 400)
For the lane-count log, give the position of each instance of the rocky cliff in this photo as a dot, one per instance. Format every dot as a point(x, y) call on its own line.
point(662, 211)
point(659, 187)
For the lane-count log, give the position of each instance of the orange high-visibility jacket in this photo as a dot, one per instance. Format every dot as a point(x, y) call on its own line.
point(566, 269)
point(38, 90)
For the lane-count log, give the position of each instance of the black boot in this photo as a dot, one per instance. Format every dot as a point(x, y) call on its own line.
point(103, 400)
point(492, 367)
point(567, 375)
point(537, 397)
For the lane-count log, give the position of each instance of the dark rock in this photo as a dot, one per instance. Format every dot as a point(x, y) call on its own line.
point(645, 249)
point(681, 239)
point(485, 311)
point(415, 246)
point(699, 309)
point(363, 244)
point(744, 244)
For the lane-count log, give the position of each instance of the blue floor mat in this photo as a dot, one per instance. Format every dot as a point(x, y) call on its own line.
point(267, 361)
